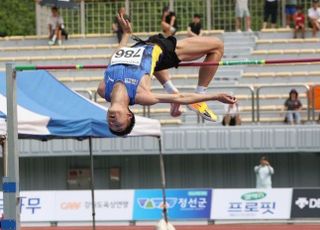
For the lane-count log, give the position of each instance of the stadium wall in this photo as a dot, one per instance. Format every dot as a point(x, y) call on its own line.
point(188, 171)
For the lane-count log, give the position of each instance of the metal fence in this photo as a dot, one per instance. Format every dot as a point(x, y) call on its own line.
point(98, 15)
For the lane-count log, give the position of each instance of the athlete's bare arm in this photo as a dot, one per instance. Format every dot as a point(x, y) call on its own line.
point(127, 30)
point(184, 98)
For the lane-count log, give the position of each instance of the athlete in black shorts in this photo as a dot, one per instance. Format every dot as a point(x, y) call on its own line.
point(128, 77)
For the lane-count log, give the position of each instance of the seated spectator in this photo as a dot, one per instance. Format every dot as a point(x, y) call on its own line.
point(270, 10)
point(115, 25)
point(56, 27)
point(232, 116)
point(194, 28)
point(169, 23)
point(242, 11)
point(293, 107)
point(299, 22)
point(314, 17)
point(291, 9)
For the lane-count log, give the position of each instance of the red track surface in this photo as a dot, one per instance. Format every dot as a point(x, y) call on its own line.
point(206, 227)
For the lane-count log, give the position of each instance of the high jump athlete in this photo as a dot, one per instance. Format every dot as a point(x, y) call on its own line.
point(127, 80)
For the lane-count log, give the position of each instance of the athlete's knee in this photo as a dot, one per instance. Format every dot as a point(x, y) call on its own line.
point(217, 46)
point(220, 45)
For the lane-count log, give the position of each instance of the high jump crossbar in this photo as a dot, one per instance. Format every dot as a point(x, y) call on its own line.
point(183, 64)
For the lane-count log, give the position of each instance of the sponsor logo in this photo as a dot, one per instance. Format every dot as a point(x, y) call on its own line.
point(131, 81)
point(253, 196)
point(156, 203)
point(70, 205)
point(312, 203)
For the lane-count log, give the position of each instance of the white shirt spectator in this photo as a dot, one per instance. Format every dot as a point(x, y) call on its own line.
point(263, 176)
point(232, 109)
point(314, 13)
point(55, 21)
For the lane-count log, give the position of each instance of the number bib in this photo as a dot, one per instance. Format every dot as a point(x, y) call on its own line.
point(129, 56)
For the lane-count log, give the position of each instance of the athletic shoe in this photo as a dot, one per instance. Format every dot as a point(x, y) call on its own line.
point(59, 42)
point(51, 43)
point(204, 111)
point(239, 31)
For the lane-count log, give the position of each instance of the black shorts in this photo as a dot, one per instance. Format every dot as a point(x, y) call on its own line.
point(168, 58)
point(233, 122)
point(270, 9)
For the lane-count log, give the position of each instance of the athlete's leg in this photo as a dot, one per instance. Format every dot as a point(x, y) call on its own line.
point(163, 77)
point(238, 24)
point(196, 47)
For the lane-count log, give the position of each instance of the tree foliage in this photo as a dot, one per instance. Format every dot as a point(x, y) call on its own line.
point(17, 17)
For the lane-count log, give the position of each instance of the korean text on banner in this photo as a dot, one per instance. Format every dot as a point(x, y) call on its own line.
point(35, 205)
point(110, 205)
point(228, 204)
point(181, 204)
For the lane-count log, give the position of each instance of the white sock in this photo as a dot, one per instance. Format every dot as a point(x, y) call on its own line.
point(169, 87)
point(201, 89)
point(54, 38)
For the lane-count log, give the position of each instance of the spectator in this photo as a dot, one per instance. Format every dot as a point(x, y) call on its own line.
point(56, 27)
point(169, 23)
point(314, 17)
point(116, 28)
point(194, 28)
point(291, 8)
point(263, 171)
point(270, 10)
point(293, 107)
point(299, 20)
point(232, 116)
point(242, 10)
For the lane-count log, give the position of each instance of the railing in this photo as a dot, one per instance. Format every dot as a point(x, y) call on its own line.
point(91, 96)
point(255, 97)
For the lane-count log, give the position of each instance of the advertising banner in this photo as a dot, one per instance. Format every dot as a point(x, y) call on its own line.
point(111, 205)
point(305, 203)
point(229, 204)
point(181, 204)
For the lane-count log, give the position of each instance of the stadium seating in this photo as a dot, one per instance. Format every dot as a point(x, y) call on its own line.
point(271, 44)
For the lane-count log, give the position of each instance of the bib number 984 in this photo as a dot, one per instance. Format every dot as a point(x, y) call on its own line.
point(128, 56)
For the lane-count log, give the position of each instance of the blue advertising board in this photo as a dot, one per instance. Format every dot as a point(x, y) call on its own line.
point(181, 204)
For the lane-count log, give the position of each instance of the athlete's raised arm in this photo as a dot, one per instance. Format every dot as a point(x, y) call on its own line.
point(126, 28)
point(185, 98)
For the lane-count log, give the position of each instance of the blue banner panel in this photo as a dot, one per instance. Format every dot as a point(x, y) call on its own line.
point(181, 204)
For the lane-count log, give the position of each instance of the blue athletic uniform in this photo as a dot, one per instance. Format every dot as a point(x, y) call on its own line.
point(130, 75)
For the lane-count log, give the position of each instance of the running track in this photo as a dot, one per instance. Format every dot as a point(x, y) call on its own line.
point(206, 227)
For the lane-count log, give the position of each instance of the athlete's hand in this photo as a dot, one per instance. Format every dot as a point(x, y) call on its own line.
point(125, 24)
point(175, 110)
point(227, 99)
